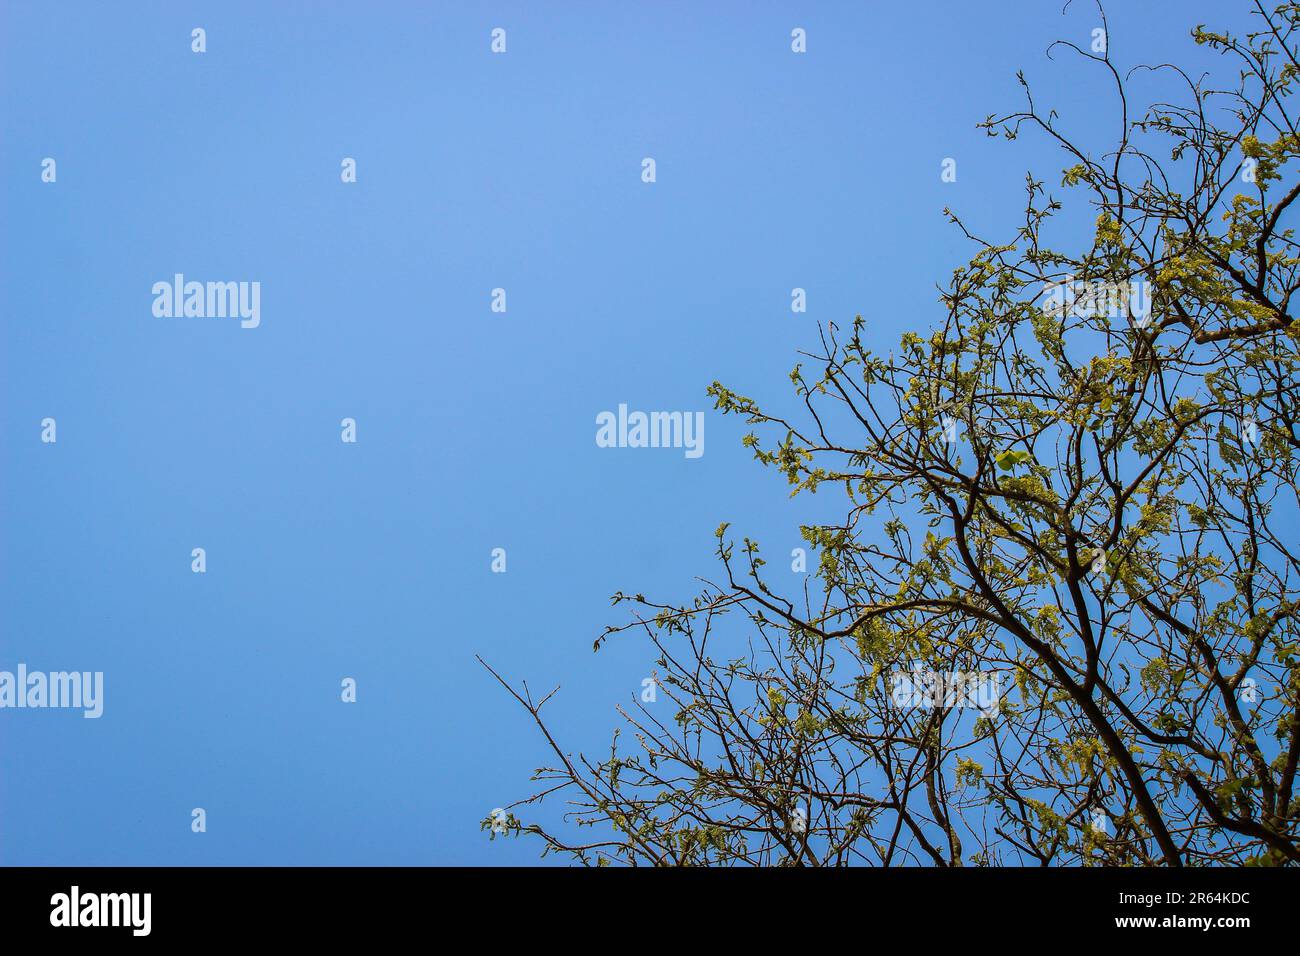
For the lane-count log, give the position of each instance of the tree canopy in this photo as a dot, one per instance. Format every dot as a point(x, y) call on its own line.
point(1077, 487)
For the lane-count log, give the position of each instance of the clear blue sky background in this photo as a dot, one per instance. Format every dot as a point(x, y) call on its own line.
point(476, 430)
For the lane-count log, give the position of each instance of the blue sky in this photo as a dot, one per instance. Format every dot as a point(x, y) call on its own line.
point(475, 429)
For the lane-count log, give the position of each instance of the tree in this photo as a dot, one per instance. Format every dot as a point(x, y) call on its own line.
point(1078, 490)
